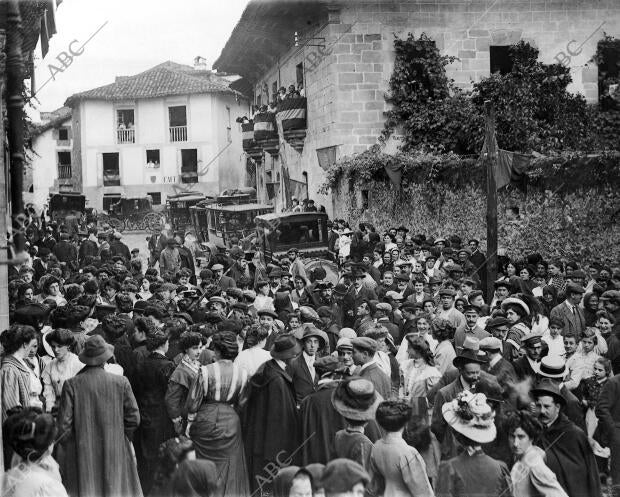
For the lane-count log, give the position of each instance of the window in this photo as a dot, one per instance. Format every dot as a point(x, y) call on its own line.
point(177, 116)
point(111, 169)
point(501, 60)
point(152, 158)
point(156, 196)
point(189, 165)
point(64, 165)
point(125, 126)
point(63, 134)
point(110, 199)
point(299, 74)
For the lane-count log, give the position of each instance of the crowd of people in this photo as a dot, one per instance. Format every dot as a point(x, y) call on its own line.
point(205, 374)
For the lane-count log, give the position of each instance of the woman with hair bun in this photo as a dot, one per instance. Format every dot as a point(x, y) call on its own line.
point(31, 434)
point(418, 373)
point(20, 385)
point(214, 426)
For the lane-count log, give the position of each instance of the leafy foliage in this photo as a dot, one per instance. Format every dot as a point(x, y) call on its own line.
point(534, 110)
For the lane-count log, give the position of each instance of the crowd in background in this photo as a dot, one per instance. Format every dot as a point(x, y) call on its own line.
point(199, 373)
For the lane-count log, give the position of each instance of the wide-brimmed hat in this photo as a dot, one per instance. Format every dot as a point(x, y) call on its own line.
point(357, 399)
point(285, 347)
point(470, 415)
point(96, 351)
point(517, 302)
point(547, 386)
point(552, 366)
point(312, 331)
point(470, 353)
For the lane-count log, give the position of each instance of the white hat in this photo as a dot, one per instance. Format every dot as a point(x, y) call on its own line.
point(471, 415)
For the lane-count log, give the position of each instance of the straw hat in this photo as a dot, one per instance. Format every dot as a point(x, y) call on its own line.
point(357, 399)
point(470, 415)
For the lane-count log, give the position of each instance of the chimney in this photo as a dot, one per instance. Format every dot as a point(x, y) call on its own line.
point(200, 63)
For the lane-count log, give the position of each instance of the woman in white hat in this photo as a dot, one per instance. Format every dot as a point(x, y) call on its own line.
point(518, 313)
point(473, 472)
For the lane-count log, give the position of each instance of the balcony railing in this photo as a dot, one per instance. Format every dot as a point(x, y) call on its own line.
point(178, 133)
point(126, 136)
point(64, 171)
point(111, 179)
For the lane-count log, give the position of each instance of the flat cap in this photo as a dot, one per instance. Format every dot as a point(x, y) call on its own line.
point(217, 267)
point(341, 475)
point(574, 288)
point(365, 343)
point(491, 343)
point(448, 292)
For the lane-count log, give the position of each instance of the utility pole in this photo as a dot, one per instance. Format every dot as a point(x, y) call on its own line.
point(490, 156)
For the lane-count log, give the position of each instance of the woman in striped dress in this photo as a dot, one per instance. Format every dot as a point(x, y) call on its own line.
point(214, 425)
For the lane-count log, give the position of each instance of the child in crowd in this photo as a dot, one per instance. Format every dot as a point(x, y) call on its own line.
point(553, 337)
point(581, 364)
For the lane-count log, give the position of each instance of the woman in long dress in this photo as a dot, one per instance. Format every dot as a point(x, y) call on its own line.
point(214, 427)
point(530, 475)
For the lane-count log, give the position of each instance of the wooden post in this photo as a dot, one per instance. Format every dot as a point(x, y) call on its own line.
point(490, 151)
point(15, 69)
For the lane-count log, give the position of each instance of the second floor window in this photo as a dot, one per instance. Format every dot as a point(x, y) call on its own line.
point(177, 116)
point(111, 170)
point(64, 165)
point(63, 134)
point(152, 158)
point(125, 126)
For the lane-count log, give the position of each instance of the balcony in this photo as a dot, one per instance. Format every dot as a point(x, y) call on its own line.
point(178, 133)
point(111, 178)
point(64, 171)
point(292, 113)
point(126, 135)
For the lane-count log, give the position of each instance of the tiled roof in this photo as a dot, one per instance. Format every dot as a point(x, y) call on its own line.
point(60, 116)
point(166, 79)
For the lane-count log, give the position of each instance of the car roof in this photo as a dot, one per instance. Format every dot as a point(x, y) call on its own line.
point(292, 216)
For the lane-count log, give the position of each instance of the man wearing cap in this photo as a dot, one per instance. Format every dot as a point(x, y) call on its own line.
point(497, 365)
point(448, 311)
point(528, 365)
point(364, 350)
point(170, 259)
point(301, 369)
point(219, 279)
point(611, 303)
point(383, 311)
point(471, 327)
point(570, 312)
point(300, 295)
point(319, 419)
point(344, 352)
point(567, 450)
point(355, 295)
point(270, 421)
point(117, 247)
point(97, 416)
point(344, 478)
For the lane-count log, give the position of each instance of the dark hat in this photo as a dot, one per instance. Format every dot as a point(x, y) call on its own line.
point(578, 274)
point(471, 308)
point(365, 343)
point(402, 277)
point(285, 347)
point(241, 306)
point(356, 398)
point(96, 351)
point(402, 228)
point(433, 280)
point(262, 283)
point(341, 475)
point(275, 273)
point(312, 331)
point(465, 250)
point(267, 312)
point(324, 312)
point(496, 323)
point(547, 386)
point(292, 250)
point(237, 253)
point(612, 296)
point(139, 306)
point(447, 292)
point(340, 289)
point(328, 365)
point(408, 306)
point(454, 267)
point(574, 288)
point(502, 282)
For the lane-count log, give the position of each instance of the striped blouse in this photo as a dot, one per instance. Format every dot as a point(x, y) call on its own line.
point(222, 381)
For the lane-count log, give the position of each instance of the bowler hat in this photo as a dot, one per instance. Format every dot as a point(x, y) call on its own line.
point(285, 347)
point(96, 351)
point(356, 398)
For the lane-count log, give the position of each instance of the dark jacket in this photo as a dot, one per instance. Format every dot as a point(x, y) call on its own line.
point(504, 372)
point(523, 368)
point(303, 383)
point(352, 300)
point(119, 248)
point(379, 379)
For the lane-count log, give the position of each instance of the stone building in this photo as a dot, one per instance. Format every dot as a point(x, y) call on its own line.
point(342, 52)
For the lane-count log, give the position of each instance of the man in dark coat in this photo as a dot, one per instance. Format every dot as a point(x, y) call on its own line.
point(319, 419)
point(608, 414)
point(89, 246)
point(356, 294)
point(569, 311)
point(497, 365)
point(66, 252)
point(567, 450)
point(271, 424)
point(119, 248)
point(301, 369)
point(156, 243)
point(528, 365)
point(364, 350)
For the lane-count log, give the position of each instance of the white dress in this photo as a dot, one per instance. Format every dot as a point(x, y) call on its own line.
point(417, 378)
point(37, 479)
point(251, 359)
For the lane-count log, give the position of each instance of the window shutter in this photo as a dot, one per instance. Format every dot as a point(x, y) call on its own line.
point(70, 133)
point(55, 133)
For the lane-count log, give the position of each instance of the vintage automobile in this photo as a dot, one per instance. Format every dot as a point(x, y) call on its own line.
point(62, 204)
point(177, 208)
point(132, 214)
point(216, 223)
point(305, 231)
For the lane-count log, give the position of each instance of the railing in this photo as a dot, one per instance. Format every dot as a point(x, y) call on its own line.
point(111, 179)
point(178, 133)
point(64, 171)
point(126, 136)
